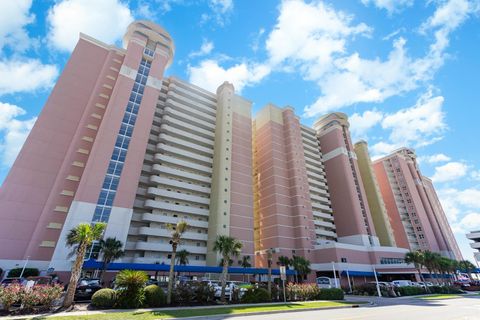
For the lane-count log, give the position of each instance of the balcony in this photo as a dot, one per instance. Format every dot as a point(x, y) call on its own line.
point(187, 126)
point(320, 183)
point(323, 215)
point(178, 184)
point(475, 245)
point(322, 200)
point(322, 207)
point(189, 119)
point(474, 235)
point(325, 233)
point(166, 261)
point(183, 163)
point(189, 110)
point(173, 220)
point(185, 144)
point(154, 204)
point(181, 174)
point(167, 149)
point(185, 135)
point(195, 95)
point(161, 247)
point(326, 224)
point(177, 195)
point(159, 232)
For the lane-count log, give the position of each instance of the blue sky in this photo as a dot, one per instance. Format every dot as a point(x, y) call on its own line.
point(406, 72)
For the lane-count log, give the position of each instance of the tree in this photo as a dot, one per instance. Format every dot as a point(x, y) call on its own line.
point(444, 264)
point(177, 231)
point(79, 238)
point(112, 250)
point(467, 266)
point(284, 261)
point(230, 262)
point(227, 247)
point(417, 259)
point(245, 263)
point(182, 257)
point(301, 265)
point(430, 260)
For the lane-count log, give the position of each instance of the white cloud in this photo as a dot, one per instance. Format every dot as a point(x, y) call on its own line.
point(220, 12)
point(15, 15)
point(25, 75)
point(14, 132)
point(461, 207)
point(105, 20)
point(205, 49)
point(361, 123)
point(434, 158)
point(416, 126)
point(209, 75)
point(390, 5)
point(475, 175)
point(450, 172)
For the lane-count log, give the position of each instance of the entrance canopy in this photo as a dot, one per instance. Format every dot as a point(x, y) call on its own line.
point(93, 264)
point(353, 273)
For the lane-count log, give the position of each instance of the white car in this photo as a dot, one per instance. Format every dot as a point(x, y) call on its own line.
point(402, 283)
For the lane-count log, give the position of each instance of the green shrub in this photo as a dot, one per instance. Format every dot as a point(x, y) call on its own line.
point(444, 289)
point(256, 295)
point(330, 294)
point(154, 296)
point(104, 298)
point(410, 291)
point(28, 272)
point(302, 291)
point(369, 289)
point(131, 284)
point(205, 294)
point(183, 294)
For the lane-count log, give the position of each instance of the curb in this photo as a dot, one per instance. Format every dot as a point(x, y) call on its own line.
point(103, 312)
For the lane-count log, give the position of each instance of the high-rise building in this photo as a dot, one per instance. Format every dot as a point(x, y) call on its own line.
point(475, 237)
point(374, 197)
point(310, 201)
point(415, 212)
point(117, 143)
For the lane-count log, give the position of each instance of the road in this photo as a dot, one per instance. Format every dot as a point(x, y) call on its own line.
point(465, 308)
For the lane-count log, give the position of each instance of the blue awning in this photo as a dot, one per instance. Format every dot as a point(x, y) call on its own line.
point(93, 264)
point(353, 273)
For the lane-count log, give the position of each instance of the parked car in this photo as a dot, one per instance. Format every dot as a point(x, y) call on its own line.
point(43, 280)
point(327, 283)
point(402, 283)
point(382, 284)
point(86, 287)
point(423, 284)
point(8, 281)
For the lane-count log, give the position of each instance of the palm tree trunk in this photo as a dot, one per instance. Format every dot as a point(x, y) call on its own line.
point(171, 274)
point(224, 278)
point(75, 275)
point(419, 270)
point(104, 269)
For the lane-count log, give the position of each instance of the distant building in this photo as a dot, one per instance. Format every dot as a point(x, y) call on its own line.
point(415, 212)
point(475, 237)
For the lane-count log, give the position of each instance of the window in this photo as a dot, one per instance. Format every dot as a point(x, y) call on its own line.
point(343, 259)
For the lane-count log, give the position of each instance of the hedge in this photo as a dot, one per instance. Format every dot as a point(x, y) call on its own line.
point(154, 296)
point(411, 291)
point(28, 272)
point(330, 294)
point(256, 295)
point(104, 298)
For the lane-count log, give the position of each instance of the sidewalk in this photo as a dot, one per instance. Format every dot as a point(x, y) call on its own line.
point(101, 312)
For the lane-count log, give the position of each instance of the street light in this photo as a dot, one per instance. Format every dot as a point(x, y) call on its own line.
point(24, 266)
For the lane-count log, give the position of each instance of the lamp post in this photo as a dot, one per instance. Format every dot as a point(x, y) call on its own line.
point(24, 266)
point(334, 274)
point(269, 263)
point(376, 281)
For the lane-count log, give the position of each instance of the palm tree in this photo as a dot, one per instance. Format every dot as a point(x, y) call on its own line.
point(182, 257)
point(417, 259)
point(227, 247)
point(443, 266)
point(301, 265)
point(80, 238)
point(430, 260)
point(230, 262)
point(177, 232)
point(284, 261)
point(112, 250)
point(466, 266)
point(245, 263)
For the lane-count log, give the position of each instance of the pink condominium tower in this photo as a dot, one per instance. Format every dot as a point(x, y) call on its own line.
point(118, 143)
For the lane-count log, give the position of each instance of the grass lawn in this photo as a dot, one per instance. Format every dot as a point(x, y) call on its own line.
point(440, 296)
point(171, 314)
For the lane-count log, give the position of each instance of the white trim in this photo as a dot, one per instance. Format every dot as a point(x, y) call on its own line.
point(128, 72)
